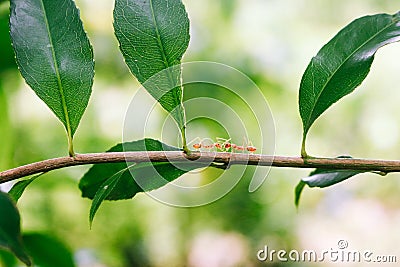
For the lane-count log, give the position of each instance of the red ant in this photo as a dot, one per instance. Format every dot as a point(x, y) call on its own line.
point(251, 149)
point(224, 145)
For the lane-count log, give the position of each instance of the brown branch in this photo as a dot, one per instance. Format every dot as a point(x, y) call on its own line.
point(176, 156)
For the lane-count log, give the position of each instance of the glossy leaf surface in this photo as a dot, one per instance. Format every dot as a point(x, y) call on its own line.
point(323, 178)
point(153, 36)
point(18, 189)
point(54, 56)
point(104, 191)
point(150, 175)
point(342, 64)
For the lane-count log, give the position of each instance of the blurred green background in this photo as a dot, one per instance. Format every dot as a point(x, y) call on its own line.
point(272, 42)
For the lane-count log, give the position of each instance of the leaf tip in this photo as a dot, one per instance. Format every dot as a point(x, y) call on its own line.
point(297, 193)
point(92, 213)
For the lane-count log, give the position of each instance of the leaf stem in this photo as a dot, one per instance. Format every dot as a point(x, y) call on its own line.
point(184, 142)
point(70, 146)
point(303, 147)
point(384, 166)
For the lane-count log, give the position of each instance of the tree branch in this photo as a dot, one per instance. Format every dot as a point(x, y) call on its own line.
point(384, 166)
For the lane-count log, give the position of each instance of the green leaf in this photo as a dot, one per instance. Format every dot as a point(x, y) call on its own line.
point(153, 36)
point(10, 232)
point(54, 56)
point(297, 192)
point(115, 181)
point(46, 251)
point(140, 177)
point(103, 192)
point(342, 64)
point(324, 178)
point(18, 189)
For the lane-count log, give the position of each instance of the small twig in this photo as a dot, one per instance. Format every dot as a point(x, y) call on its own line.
point(384, 166)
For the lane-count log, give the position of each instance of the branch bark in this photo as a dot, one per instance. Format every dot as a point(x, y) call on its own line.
point(227, 159)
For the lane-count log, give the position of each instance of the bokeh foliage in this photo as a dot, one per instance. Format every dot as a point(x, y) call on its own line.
point(274, 54)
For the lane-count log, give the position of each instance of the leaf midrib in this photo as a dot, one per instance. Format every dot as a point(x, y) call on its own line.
point(347, 58)
point(161, 46)
point(102, 193)
point(158, 37)
point(57, 72)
